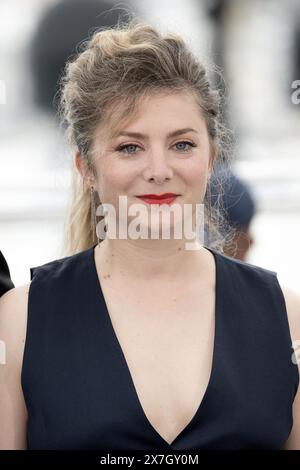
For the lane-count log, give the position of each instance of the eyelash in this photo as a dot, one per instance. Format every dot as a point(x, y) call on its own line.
point(122, 147)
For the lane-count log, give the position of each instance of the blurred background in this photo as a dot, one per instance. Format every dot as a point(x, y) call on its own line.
point(257, 47)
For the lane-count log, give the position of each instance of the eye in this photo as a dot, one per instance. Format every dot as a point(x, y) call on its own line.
point(126, 148)
point(121, 148)
point(185, 142)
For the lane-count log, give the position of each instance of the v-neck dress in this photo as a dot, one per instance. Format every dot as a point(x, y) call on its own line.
point(79, 391)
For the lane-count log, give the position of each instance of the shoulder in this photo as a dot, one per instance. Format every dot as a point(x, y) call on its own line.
point(13, 302)
point(290, 297)
point(13, 319)
point(292, 302)
point(251, 277)
point(61, 266)
point(243, 265)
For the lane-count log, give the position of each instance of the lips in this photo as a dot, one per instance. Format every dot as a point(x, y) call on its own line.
point(166, 198)
point(158, 196)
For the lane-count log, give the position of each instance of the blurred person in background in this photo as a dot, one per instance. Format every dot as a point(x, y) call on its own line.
point(61, 30)
point(239, 207)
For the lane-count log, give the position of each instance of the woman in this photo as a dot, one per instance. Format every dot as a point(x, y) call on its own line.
point(140, 343)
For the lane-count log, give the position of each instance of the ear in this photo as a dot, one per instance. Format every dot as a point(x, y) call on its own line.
point(82, 167)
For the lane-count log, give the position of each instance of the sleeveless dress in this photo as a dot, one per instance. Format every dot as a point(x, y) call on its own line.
point(79, 391)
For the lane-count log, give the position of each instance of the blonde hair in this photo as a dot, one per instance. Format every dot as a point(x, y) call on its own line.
point(117, 67)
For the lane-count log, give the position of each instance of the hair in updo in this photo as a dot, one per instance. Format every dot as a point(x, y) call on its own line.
point(103, 84)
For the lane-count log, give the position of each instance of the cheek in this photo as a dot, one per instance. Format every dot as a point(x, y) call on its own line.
point(196, 172)
point(114, 179)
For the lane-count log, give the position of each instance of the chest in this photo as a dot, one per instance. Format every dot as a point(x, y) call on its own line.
point(167, 338)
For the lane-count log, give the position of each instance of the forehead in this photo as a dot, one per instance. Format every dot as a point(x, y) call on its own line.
point(165, 111)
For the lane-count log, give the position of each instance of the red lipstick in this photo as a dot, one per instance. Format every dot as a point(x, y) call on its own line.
point(165, 198)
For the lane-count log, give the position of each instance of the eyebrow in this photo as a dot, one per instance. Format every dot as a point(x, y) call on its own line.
point(139, 135)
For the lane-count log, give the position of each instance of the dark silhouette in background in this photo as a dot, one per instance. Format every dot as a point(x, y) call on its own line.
point(61, 30)
point(239, 208)
point(5, 280)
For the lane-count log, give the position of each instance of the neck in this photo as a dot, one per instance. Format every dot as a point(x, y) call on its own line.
point(150, 259)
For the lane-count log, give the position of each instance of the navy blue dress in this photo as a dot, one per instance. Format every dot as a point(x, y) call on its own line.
point(79, 391)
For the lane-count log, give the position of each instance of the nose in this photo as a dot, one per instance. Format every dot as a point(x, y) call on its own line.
point(158, 169)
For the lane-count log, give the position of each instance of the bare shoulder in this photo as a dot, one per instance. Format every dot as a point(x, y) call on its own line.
point(16, 294)
point(13, 325)
point(292, 301)
point(13, 314)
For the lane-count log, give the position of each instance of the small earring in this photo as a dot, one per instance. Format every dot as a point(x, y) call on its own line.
point(93, 213)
